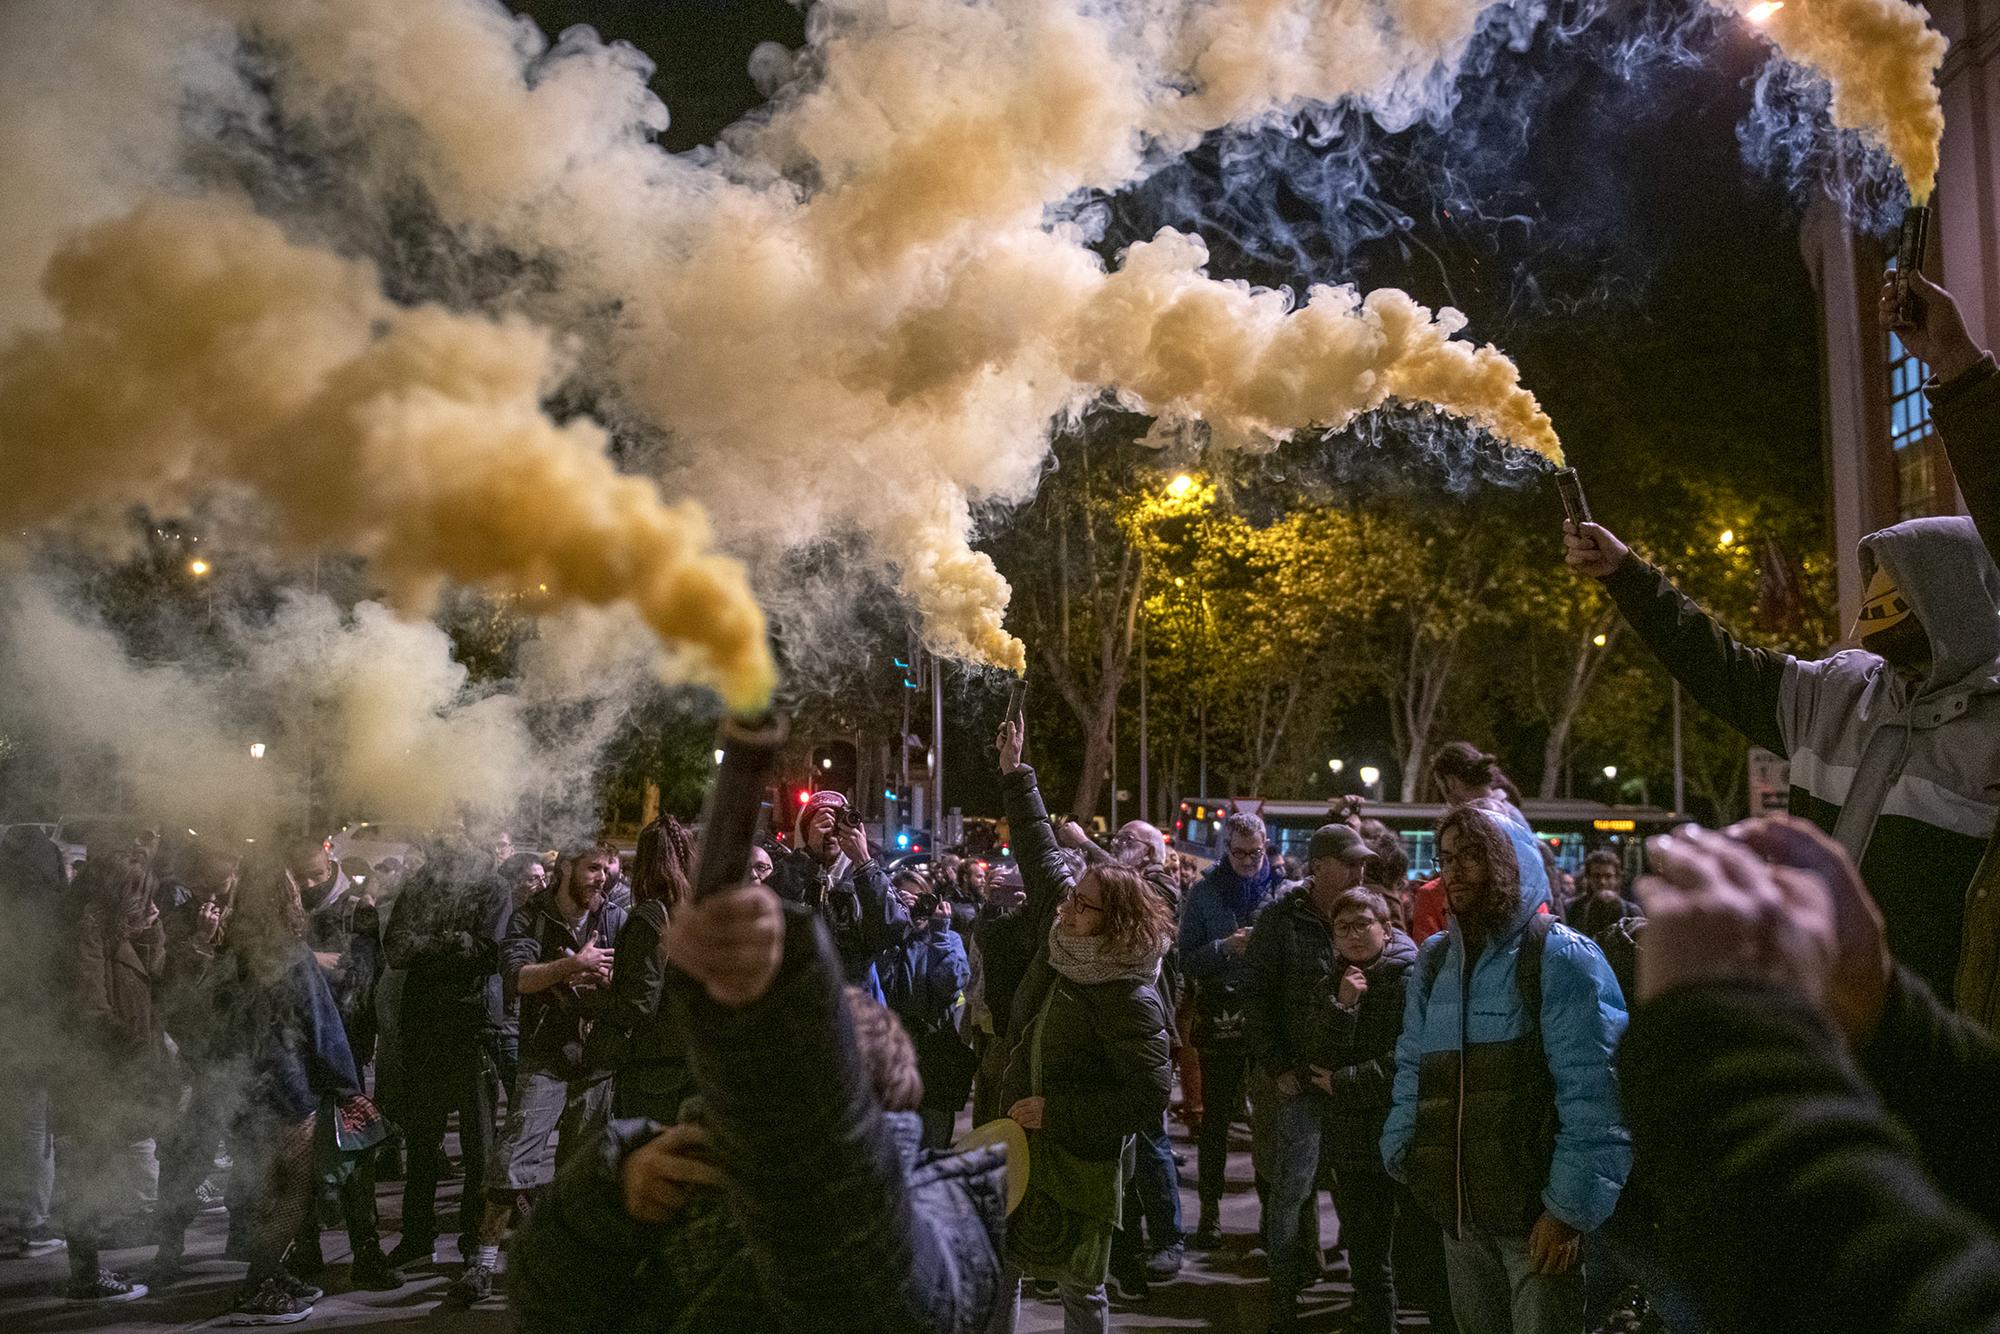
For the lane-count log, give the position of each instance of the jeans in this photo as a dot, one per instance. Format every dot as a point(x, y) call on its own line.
point(1494, 1288)
point(1085, 1310)
point(453, 1073)
point(1367, 1216)
point(1155, 1196)
point(1222, 1075)
point(28, 1173)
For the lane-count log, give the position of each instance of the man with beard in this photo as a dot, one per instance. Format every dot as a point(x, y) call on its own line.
point(557, 958)
point(831, 870)
point(1505, 1119)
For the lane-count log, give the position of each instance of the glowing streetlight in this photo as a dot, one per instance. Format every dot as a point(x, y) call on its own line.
point(1611, 771)
point(1336, 765)
point(198, 567)
point(1370, 775)
point(826, 763)
point(1728, 537)
point(256, 750)
point(1601, 640)
point(1179, 582)
point(718, 757)
point(1180, 486)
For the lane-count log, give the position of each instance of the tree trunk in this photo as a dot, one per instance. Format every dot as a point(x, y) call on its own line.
point(1585, 666)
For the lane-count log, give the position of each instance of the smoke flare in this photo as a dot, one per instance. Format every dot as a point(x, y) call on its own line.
point(1881, 58)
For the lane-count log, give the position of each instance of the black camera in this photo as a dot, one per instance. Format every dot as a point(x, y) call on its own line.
point(846, 817)
point(926, 906)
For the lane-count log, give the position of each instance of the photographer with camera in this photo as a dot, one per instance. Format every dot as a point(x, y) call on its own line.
point(923, 981)
point(830, 869)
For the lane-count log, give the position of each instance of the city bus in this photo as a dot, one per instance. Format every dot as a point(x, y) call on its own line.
point(1572, 829)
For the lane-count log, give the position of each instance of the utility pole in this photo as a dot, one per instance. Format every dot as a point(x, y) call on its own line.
point(1145, 749)
point(937, 754)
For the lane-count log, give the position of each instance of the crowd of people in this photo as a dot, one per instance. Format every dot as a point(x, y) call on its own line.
point(1734, 1102)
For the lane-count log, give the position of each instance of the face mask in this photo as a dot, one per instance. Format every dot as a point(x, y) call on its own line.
point(1886, 625)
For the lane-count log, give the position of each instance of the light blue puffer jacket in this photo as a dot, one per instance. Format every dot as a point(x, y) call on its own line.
point(1583, 1017)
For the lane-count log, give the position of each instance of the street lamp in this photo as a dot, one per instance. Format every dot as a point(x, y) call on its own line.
point(1728, 537)
point(256, 750)
point(718, 757)
point(198, 567)
point(1601, 640)
point(1180, 486)
point(1371, 778)
point(1611, 771)
point(826, 762)
point(1336, 765)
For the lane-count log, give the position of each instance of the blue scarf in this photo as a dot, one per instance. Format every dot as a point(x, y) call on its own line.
point(1243, 897)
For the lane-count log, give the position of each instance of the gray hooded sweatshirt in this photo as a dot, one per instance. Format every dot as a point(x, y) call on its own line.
point(1903, 773)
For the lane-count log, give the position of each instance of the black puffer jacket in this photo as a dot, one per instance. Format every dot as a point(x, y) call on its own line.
point(836, 1220)
point(1295, 1022)
point(1107, 1070)
point(859, 907)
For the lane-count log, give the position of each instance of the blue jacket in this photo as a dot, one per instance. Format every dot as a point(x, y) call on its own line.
point(921, 978)
point(1219, 903)
point(1583, 1017)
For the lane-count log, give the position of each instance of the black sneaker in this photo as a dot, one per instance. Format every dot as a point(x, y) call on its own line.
point(1128, 1283)
point(105, 1286)
point(299, 1288)
point(1164, 1265)
point(1207, 1237)
point(475, 1285)
point(413, 1251)
point(372, 1272)
point(269, 1304)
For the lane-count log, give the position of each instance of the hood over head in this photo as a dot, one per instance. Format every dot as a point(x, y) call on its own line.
point(1515, 860)
point(1943, 571)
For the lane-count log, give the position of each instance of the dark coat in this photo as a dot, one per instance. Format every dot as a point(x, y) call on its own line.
point(1107, 1070)
point(347, 924)
point(1296, 1022)
point(1219, 904)
point(1790, 1196)
point(117, 976)
point(859, 907)
point(630, 1037)
point(556, 1020)
point(445, 933)
point(836, 1221)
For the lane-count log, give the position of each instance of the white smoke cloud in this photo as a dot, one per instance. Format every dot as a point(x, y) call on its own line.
point(372, 704)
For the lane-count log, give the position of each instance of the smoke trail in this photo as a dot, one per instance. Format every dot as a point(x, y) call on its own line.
point(1881, 58)
point(373, 707)
point(198, 346)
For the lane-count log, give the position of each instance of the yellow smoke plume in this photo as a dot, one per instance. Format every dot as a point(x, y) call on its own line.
point(1881, 58)
point(198, 346)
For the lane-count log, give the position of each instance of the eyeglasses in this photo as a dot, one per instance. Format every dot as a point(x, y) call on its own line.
point(1084, 905)
point(1355, 926)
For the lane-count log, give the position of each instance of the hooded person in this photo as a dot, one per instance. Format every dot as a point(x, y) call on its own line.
point(1504, 1119)
point(830, 868)
point(1894, 745)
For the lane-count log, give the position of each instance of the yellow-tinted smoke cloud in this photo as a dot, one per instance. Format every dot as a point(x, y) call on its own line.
point(198, 346)
point(857, 318)
point(1881, 58)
